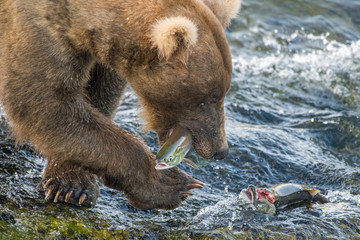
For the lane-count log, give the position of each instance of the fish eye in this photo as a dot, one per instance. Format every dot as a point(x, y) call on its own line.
point(170, 158)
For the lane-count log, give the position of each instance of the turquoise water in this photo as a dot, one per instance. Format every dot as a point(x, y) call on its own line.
point(293, 115)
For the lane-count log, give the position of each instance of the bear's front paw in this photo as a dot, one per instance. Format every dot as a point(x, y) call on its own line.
point(166, 192)
point(76, 187)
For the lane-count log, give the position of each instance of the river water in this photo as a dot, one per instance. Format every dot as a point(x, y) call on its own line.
point(293, 115)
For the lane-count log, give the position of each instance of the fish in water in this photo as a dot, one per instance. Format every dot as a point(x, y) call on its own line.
point(174, 150)
point(280, 196)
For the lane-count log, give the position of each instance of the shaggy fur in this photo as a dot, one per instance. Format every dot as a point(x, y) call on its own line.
point(169, 34)
point(224, 9)
point(64, 65)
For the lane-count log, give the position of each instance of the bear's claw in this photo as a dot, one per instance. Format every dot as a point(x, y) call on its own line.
point(68, 195)
point(74, 188)
point(194, 183)
point(184, 196)
point(167, 192)
point(56, 199)
point(48, 182)
point(48, 193)
point(82, 198)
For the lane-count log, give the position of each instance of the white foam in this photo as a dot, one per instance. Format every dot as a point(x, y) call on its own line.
point(332, 64)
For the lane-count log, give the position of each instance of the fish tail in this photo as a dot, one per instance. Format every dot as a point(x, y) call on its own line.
point(320, 198)
point(313, 192)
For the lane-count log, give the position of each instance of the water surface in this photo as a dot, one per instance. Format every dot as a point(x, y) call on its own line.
point(292, 116)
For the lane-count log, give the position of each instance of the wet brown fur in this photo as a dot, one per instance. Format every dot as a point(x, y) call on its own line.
point(63, 66)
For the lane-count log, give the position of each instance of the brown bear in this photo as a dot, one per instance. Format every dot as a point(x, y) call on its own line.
point(64, 65)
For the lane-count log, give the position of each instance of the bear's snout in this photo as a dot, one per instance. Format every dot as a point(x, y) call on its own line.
point(211, 147)
point(222, 153)
point(209, 142)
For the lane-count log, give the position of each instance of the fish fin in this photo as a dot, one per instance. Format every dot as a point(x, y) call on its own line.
point(191, 163)
point(313, 192)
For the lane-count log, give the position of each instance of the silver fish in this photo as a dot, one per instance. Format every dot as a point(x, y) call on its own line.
point(174, 150)
point(280, 196)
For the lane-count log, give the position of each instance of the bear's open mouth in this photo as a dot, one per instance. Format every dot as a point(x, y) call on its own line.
point(170, 132)
point(167, 134)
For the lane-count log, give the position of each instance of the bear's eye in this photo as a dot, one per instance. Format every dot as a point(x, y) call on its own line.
point(210, 102)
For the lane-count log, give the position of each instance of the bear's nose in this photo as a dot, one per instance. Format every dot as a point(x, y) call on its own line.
point(222, 153)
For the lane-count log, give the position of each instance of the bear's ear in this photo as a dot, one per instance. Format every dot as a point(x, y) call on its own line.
point(224, 10)
point(169, 35)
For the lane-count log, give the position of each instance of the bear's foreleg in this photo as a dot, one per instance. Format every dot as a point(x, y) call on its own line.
point(75, 185)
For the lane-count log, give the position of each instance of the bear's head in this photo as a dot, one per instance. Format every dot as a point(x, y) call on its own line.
point(186, 82)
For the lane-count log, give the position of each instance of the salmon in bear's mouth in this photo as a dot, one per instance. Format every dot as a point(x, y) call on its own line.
point(174, 149)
